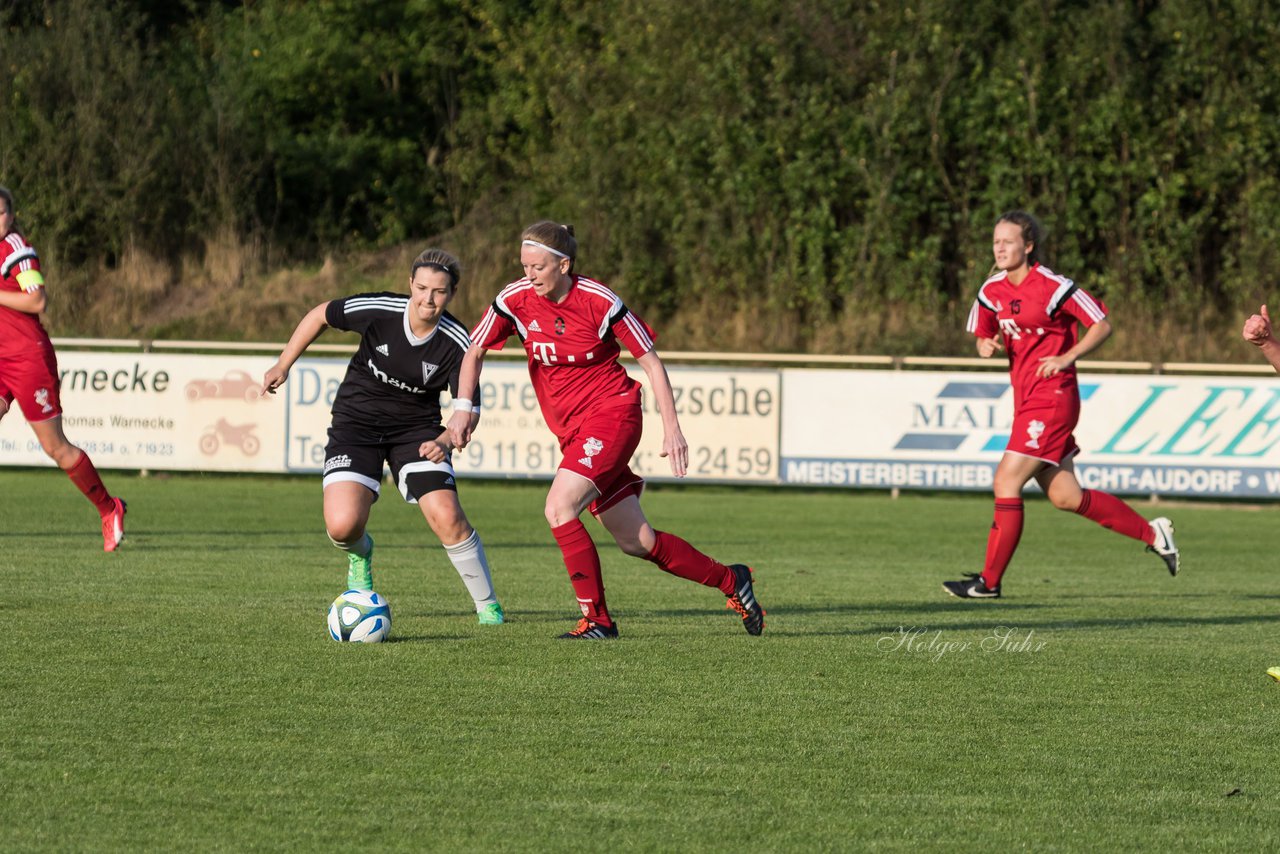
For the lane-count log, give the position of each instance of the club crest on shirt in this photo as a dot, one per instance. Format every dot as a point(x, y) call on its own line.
point(427, 370)
point(1034, 430)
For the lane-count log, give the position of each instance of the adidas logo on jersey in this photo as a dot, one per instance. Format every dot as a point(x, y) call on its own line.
point(586, 461)
point(448, 481)
point(383, 349)
point(534, 327)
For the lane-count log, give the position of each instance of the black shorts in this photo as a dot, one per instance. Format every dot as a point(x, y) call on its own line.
point(348, 456)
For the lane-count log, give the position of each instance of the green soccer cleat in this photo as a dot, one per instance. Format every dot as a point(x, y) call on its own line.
point(360, 570)
point(491, 615)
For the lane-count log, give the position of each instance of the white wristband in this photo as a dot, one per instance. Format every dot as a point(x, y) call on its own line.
point(461, 404)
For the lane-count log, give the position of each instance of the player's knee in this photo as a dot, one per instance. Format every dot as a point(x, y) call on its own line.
point(64, 454)
point(1003, 484)
point(632, 546)
point(450, 527)
point(343, 528)
point(1069, 501)
point(637, 543)
point(558, 514)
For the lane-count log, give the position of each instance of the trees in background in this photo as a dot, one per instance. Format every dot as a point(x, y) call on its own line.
point(826, 173)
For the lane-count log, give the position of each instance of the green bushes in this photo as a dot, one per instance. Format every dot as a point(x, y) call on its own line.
point(791, 174)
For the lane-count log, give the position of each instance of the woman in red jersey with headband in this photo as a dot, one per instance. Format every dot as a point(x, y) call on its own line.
point(1032, 313)
point(29, 370)
point(571, 327)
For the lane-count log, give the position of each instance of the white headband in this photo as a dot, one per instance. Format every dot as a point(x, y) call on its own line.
point(544, 246)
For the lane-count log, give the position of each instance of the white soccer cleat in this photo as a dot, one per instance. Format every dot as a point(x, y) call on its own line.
point(1164, 544)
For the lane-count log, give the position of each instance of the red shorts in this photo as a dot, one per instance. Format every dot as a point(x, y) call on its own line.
point(600, 449)
point(32, 380)
point(1043, 429)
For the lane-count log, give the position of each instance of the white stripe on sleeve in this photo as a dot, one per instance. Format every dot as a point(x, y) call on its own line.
point(1089, 305)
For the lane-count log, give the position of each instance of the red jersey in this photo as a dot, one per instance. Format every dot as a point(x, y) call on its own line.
point(1037, 319)
point(572, 347)
point(20, 271)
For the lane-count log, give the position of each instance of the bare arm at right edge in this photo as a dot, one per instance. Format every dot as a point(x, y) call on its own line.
point(1257, 331)
point(308, 330)
point(463, 421)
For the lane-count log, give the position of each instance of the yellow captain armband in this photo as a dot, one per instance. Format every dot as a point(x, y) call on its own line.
point(29, 280)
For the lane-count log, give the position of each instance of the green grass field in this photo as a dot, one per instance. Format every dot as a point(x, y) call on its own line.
point(183, 694)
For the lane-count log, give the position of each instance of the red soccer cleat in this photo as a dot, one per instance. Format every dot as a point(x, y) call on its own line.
point(113, 526)
point(588, 630)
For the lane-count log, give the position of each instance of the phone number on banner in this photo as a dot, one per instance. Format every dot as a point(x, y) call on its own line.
point(541, 459)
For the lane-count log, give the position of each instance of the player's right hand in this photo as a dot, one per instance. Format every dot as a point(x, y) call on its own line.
point(988, 347)
point(459, 428)
point(1257, 329)
point(433, 450)
point(273, 379)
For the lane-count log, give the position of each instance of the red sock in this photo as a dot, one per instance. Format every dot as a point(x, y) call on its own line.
point(677, 557)
point(1114, 515)
point(1006, 530)
point(583, 562)
point(86, 479)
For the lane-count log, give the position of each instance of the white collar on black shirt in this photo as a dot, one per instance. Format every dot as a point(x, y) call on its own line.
point(414, 340)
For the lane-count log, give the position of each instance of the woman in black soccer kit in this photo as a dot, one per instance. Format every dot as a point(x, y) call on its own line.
point(387, 410)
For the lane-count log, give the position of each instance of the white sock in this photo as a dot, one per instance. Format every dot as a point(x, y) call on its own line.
point(362, 546)
point(473, 567)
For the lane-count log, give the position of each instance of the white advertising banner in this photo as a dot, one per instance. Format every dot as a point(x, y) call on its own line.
point(1192, 436)
point(729, 418)
point(159, 411)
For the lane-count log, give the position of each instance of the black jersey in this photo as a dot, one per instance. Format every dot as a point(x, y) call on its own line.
point(393, 383)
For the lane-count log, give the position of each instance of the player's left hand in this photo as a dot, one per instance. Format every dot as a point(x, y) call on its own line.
point(434, 450)
point(1053, 365)
point(676, 450)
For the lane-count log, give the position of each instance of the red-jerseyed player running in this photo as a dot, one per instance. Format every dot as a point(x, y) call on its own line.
point(571, 327)
point(1032, 313)
point(29, 370)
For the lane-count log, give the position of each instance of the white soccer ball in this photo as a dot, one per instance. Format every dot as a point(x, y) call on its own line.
point(360, 616)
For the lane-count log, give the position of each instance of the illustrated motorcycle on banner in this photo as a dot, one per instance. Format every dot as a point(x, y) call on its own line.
point(241, 436)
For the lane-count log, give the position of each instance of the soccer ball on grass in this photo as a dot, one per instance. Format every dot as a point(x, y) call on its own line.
point(360, 616)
